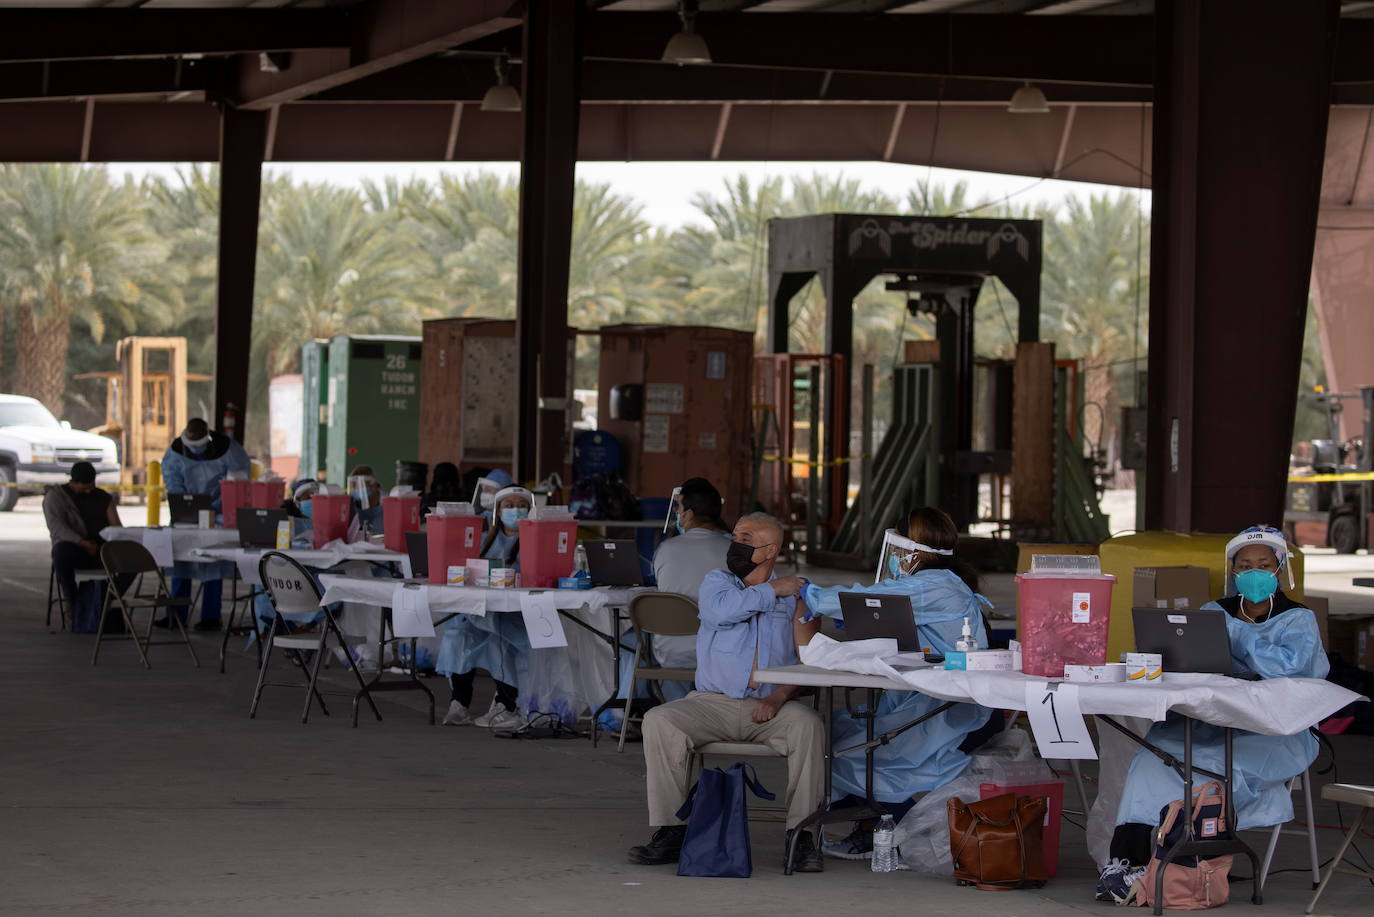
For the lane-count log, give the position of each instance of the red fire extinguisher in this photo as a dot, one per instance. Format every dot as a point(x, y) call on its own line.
point(229, 423)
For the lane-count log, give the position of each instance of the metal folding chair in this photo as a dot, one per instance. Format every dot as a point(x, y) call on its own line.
point(1355, 795)
point(1302, 782)
point(293, 591)
point(131, 559)
point(670, 615)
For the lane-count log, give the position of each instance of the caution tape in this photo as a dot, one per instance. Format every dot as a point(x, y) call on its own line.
point(794, 461)
point(139, 488)
point(1348, 477)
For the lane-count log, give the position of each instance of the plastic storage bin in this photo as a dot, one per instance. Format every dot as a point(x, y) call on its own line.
point(329, 518)
point(546, 551)
point(237, 495)
point(1032, 778)
point(453, 541)
point(1064, 608)
point(399, 515)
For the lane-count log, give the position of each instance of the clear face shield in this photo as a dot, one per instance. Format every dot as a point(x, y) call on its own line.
point(897, 557)
point(485, 493)
point(360, 489)
point(674, 511)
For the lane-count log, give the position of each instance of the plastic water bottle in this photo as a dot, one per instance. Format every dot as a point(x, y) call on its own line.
point(580, 571)
point(884, 850)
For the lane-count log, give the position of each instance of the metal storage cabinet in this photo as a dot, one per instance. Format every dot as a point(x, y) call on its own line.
point(314, 407)
point(373, 404)
point(696, 412)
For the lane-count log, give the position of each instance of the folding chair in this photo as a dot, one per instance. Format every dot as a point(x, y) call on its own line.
point(670, 615)
point(131, 559)
point(55, 596)
point(1302, 781)
point(1351, 794)
point(739, 750)
point(293, 591)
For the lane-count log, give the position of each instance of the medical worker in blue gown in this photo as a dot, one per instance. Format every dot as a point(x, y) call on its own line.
point(943, 594)
point(495, 642)
point(1271, 636)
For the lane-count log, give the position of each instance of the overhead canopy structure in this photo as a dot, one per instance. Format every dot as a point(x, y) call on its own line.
point(1180, 95)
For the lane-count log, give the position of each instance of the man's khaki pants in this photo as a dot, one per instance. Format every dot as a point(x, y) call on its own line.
point(672, 731)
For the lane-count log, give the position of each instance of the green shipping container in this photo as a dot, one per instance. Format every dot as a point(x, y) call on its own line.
point(315, 408)
point(373, 404)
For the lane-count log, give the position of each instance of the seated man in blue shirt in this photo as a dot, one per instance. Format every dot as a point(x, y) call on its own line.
point(749, 620)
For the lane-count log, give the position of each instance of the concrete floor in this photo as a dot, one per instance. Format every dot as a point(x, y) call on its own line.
point(151, 793)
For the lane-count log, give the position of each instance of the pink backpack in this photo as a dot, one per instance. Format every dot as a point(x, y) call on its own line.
point(1190, 883)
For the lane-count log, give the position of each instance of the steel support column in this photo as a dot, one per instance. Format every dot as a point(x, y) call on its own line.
point(551, 100)
point(241, 139)
point(1238, 148)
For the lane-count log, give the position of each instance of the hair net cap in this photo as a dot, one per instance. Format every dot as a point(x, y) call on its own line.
point(1266, 535)
point(499, 477)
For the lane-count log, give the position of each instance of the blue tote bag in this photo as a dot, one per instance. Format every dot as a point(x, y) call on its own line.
point(717, 841)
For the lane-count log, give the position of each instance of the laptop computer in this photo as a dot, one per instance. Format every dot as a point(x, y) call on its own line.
point(1187, 640)
point(417, 546)
point(614, 563)
point(258, 527)
point(867, 616)
point(185, 508)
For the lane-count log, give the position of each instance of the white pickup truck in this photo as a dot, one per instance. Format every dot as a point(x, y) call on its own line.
point(36, 449)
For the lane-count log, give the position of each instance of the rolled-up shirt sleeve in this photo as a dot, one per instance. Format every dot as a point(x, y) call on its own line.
point(723, 603)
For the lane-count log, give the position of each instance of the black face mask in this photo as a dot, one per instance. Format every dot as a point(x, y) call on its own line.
point(739, 558)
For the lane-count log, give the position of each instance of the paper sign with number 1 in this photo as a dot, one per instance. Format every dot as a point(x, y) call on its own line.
point(1057, 721)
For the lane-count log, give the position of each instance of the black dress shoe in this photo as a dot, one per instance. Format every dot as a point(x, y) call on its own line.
point(163, 623)
point(807, 857)
point(212, 624)
point(664, 847)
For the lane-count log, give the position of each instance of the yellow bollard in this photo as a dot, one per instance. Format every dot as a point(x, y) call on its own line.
point(154, 493)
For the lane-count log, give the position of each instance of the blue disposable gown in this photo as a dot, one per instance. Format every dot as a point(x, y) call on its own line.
point(187, 473)
point(496, 642)
point(927, 756)
point(1287, 645)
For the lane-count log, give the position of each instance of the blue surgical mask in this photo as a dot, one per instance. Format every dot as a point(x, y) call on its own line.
point(680, 529)
point(308, 509)
point(510, 518)
point(1256, 585)
point(894, 565)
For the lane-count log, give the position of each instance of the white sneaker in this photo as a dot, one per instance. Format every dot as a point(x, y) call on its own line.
point(506, 720)
point(457, 715)
point(486, 718)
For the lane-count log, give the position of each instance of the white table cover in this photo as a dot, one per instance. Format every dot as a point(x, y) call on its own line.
point(1274, 706)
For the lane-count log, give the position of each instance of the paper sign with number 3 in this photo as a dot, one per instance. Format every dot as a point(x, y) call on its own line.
point(543, 625)
point(1057, 721)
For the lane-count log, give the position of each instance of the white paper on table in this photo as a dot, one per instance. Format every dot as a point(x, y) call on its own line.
point(406, 570)
point(1056, 719)
point(159, 544)
point(410, 611)
point(543, 624)
point(247, 562)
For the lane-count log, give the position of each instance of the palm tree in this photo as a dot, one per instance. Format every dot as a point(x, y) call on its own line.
point(1094, 291)
point(73, 245)
point(326, 266)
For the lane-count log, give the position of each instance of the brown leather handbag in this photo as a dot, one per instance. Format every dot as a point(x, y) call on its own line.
point(997, 844)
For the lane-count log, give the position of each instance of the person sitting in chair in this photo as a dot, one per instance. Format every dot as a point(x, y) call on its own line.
point(749, 620)
point(76, 512)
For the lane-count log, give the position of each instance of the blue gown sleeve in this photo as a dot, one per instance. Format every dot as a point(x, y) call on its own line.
point(1286, 646)
point(172, 478)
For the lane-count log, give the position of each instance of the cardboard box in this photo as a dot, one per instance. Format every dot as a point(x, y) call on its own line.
point(922, 351)
point(1171, 587)
point(1322, 609)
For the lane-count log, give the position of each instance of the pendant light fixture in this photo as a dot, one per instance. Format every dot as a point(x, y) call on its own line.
point(687, 47)
point(503, 96)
